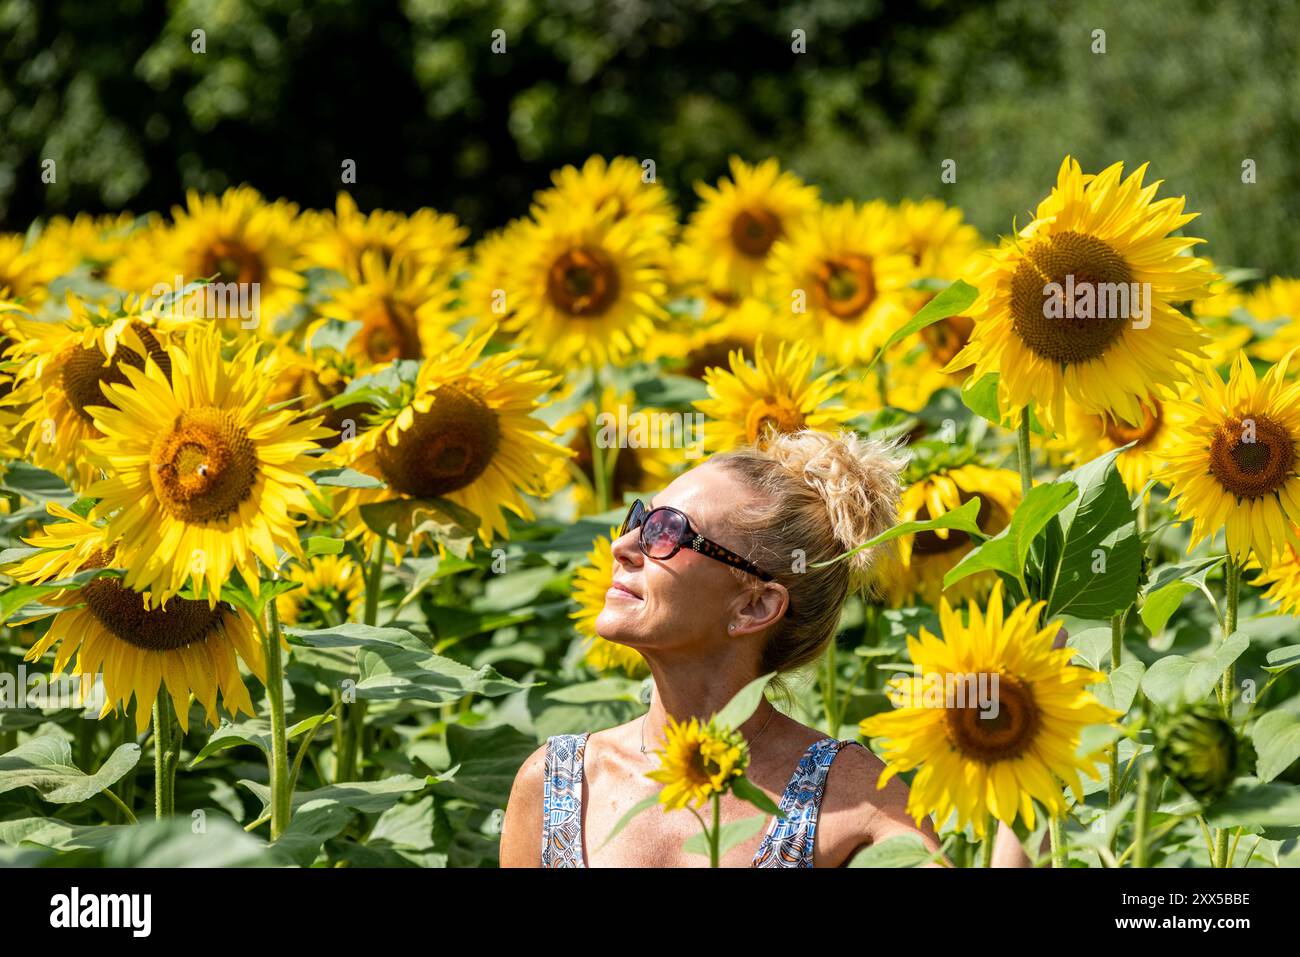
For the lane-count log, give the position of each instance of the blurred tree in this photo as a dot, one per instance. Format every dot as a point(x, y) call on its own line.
point(414, 94)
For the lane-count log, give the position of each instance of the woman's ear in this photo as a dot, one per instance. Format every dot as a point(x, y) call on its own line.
point(758, 609)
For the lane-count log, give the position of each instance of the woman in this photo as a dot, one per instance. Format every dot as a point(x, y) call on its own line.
point(715, 583)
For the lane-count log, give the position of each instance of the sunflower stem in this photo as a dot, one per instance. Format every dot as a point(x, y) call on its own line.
point(1024, 456)
point(989, 839)
point(1232, 576)
point(1056, 828)
point(1142, 814)
point(599, 468)
point(126, 811)
point(1116, 654)
point(166, 751)
point(281, 781)
point(715, 832)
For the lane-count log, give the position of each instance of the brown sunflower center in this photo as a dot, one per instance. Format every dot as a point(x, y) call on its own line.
point(846, 285)
point(231, 261)
point(1252, 456)
point(122, 613)
point(947, 337)
point(1095, 267)
point(203, 466)
point(86, 369)
point(1121, 433)
point(929, 543)
point(978, 735)
point(389, 331)
point(710, 354)
point(754, 230)
point(445, 449)
point(583, 282)
point(769, 417)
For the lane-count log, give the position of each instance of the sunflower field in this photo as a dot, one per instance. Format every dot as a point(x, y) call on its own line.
point(307, 513)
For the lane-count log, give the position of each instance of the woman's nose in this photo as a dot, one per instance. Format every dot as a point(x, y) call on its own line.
point(626, 549)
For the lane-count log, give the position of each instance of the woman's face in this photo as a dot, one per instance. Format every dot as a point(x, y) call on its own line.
point(688, 598)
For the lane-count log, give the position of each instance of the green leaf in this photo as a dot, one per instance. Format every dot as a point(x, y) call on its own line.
point(1249, 803)
point(1176, 679)
point(45, 764)
point(1095, 572)
point(250, 731)
point(729, 835)
point(744, 703)
point(324, 545)
point(961, 518)
point(1009, 550)
point(953, 301)
point(399, 519)
point(1277, 743)
point(1120, 687)
point(981, 397)
point(743, 787)
point(36, 484)
point(602, 689)
point(1169, 586)
point(902, 850)
point(346, 478)
point(486, 761)
point(1282, 659)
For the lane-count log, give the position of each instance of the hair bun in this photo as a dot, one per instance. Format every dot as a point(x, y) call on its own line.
point(858, 479)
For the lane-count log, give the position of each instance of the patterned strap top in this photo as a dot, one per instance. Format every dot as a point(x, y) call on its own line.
point(788, 841)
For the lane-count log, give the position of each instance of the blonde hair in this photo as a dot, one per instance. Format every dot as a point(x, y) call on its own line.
point(817, 496)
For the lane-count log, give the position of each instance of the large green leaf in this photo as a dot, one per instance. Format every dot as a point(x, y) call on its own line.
point(1250, 803)
point(1277, 743)
point(45, 764)
point(485, 762)
point(1169, 585)
point(902, 850)
point(1008, 551)
point(36, 484)
point(743, 703)
point(1094, 574)
point(446, 522)
point(250, 731)
point(1120, 687)
point(1177, 679)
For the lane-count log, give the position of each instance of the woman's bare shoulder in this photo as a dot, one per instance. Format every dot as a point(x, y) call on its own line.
point(856, 812)
point(521, 829)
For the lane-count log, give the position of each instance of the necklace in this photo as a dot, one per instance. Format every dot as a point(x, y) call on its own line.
point(751, 740)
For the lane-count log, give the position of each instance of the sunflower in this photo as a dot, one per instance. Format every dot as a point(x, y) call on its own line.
point(1233, 462)
point(238, 240)
point(1277, 301)
point(428, 240)
point(465, 432)
point(1099, 237)
point(96, 241)
point(697, 761)
point(730, 235)
point(843, 273)
point(750, 404)
point(647, 465)
point(978, 763)
point(402, 312)
point(186, 645)
point(619, 183)
point(585, 286)
point(25, 273)
point(61, 369)
point(1089, 436)
point(314, 378)
point(590, 582)
point(692, 344)
point(925, 558)
point(483, 295)
point(937, 237)
point(200, 479)
point(1282, 579)
point(332, 591)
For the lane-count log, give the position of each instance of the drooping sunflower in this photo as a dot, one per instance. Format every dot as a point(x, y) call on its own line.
point(590, 582)
point(200, 479)
point(237, 239)
point(619, 182)
point(1234, 461)
point(332, 592)
point(585, 286)
point(841, 275)
point(1097, 236)
point(655, 446)
point(184, 644)
point(1276, 301)
point(428, 240)
point(61, 369)
point(752, 403)
point(730, 235)
point(404, 312)
point(467, 431)
point(916, 573)
point(697, 761)
point(972, 759)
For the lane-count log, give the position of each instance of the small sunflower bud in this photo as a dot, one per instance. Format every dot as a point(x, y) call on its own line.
point(1201, 751)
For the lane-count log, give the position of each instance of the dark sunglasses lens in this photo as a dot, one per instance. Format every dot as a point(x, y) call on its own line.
point(635, 515)
point(661, 533)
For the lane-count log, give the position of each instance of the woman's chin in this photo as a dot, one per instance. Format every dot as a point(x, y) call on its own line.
point(613, 626)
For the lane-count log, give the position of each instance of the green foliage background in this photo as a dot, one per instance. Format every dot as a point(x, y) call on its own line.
point(886, 91)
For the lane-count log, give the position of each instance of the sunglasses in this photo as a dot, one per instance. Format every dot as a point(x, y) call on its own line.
point(665, 530)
